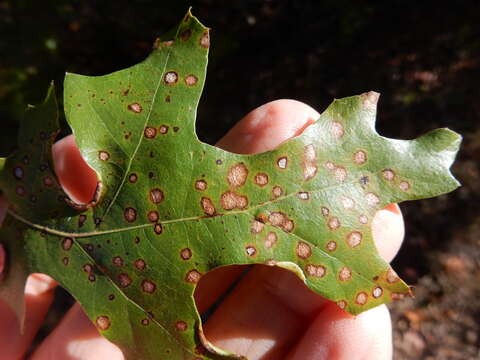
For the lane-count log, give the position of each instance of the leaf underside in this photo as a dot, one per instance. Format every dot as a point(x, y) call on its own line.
point(169, 208)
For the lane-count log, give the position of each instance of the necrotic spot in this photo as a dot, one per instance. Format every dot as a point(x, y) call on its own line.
point(139, 264)
point(148, 286)
point(65, 260)
point(354, 238)
point(18, 172)
point(331, 246)
point(205, 40)
point(377, 292)
point(186, 254)
point(250, 250)
point(237, 175)
point(342, 304)
point(303, 250)
point(103, 322)
point(303, 195)
point(171, 77)
point(200, 185)
point(360, 157)
point(130, 214)
point(145, 322)
point(153, 216)
point(345, 274)
point(333, 223)
point(282, 162)
point(277, 191)
point(163, 129)
point(67, 243)
point(317, 271)
point(404, 186)
point(340, 173)
point(181, 326)
point(388, 174)
point(361, 298)
point(207, 206)
point(103, 155)
point(111, 297)
point(392, 276)
point(133, 178)
point(193, 276)
point(191, 80)
point(257, 227)
point(150, 132)
point(348, 203)
point(158, 229)
point(124, 280)
point(337, 130)
point(372, 199)
point(231, 200)
point(117, 261)
point(135, 107)
point(363, 219)
point(325, 211)
point(261, 179)
point(309, 162)
point(156, 196)
point(270, 240)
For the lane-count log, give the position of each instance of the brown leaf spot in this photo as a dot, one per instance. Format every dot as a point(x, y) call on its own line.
point(354, 238)
point(388, 174)
point(103, 155)
point(261, 179)
point(176, 128)
point(88, 268)
point(81, 220)
point(153, 216)
point(317, 271)
point(130, 214)
point(237, 175)
point(65, 261)
point(207, 206)
point(18, 172)
point(277, 191)
point(333, 223)
point(282, 162)
point(342, 304)
point(345, 274)
point(117, 261)
point(185, 35)
point(181, 326)
point(337, 130)
point(377, 292)
point(201, 185)
point(303, 250)
point(360, 157)
point(372, 199)
point(340, 173)
point(191, 80)
point(140, 264)
point(158, 229)
point(135, 107)
point(331, 246)
point(270, 240)
point(302, 195)
point(163, 129)
point(193, 276)
point(186, 254)
point(145, 322)
point(171, 77)
point(168, 99)
point(361, 298)
point(370, 100)
point(330, 165)
point(67, 243)
point(91, 277)
point(205, 40)
point(124, 280)
point(231, 200)
point(48, 181)
point(251, 250)
point(111, 297)
point(148, 286)
point(348, 203)
point(309, 162)
point(281, 220)
point(150, 132)
point(404, 185)
point(257, 227)
point(103, 322)
point(325, 211)
point(156, 196)
point(363, 219)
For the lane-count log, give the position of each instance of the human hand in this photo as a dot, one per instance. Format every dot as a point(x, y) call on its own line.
point(270, 314)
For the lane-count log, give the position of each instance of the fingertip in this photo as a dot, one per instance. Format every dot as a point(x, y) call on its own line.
point(76, 177)
point(388, 231)
point(268, 126)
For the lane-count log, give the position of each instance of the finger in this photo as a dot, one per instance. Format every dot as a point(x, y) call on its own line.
point(335, 334)
point(76, 339)
point(38, 298)
point(76, 177)
point(388, 231)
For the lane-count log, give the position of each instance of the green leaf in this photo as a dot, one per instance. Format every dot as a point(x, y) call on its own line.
point(169, 208)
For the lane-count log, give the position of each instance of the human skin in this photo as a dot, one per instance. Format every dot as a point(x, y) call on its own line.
point(269, 315)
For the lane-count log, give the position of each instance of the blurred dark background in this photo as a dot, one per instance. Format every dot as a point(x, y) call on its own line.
point(423, 56)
